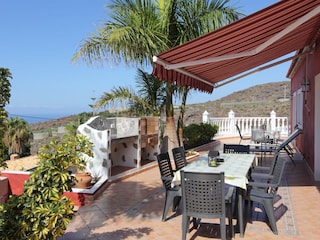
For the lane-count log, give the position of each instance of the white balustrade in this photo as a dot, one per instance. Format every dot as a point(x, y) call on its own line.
point(227, 126)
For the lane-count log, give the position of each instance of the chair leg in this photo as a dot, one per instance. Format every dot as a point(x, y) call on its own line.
point(268, 206)
point(185, 226)
point(167, 204)
point(171, 200)
point(223, 228)
point(231, 228)
point(176, 202)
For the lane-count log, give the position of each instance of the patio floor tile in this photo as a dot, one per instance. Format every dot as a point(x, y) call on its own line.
point(132, 209)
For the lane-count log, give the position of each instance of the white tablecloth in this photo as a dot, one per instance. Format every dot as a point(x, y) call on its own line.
point(235, 168)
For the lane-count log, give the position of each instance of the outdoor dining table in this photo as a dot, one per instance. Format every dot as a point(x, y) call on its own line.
point(235, 168)
point(267, 139)
point(264, 136)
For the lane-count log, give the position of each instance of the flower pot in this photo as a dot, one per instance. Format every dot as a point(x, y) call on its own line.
point(83, 180)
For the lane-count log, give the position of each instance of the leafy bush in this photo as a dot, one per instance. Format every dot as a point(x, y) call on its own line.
point(42, 212)
point(198, 134)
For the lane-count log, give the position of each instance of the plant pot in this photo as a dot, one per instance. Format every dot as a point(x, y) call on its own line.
point(83, 180)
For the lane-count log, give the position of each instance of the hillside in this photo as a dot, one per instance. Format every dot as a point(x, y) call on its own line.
point(259, 100)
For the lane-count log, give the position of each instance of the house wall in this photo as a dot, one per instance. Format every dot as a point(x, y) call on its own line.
point(308, 68)
point(317, 129)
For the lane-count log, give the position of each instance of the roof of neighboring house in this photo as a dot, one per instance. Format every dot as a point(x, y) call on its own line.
point(273, 32)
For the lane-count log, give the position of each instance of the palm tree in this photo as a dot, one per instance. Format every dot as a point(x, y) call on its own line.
point(148, 100)
point(17, 136)
point(195, 19)
point(141, 29)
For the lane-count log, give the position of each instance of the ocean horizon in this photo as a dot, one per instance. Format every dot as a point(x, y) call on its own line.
point(43, 117)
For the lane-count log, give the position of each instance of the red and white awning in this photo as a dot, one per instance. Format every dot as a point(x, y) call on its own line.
point(264, 36)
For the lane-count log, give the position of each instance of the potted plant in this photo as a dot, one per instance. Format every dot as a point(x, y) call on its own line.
point(42, 211)
point(83, 178)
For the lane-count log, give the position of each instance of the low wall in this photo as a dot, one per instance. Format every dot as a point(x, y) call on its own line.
point(12, 182)
point(16, 180)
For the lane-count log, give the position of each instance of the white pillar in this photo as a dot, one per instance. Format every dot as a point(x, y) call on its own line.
point(273, 120)
point(231, 121)
point(205, 118)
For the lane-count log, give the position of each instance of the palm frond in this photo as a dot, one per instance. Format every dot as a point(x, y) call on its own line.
point(119, 97)
point(132, 36)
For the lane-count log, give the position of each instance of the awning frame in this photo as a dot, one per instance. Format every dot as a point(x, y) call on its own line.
point(204, 63)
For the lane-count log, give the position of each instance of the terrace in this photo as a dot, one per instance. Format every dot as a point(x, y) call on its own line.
point(131, 208)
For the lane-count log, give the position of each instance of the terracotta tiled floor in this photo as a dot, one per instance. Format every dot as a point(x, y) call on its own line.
point(132, 209)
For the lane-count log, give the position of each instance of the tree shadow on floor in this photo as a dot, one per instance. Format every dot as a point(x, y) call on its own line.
point(125, 233)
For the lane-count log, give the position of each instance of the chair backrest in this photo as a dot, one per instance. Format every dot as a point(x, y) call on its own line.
point(239, 131)
point(165, 168)
point(290, 138)
point(203, 194)
point(179, 157)
point(277, 175)
point(258, 135)
point(236, 148)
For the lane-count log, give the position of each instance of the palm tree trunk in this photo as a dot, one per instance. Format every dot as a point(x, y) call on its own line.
point(170, 133)
point(181, 116)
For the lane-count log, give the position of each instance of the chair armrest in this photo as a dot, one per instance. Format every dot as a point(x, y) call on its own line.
point(261, 175)
point(261, 184)
point(261, 168)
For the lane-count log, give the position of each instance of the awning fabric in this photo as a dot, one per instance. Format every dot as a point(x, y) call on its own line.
point(266, 35)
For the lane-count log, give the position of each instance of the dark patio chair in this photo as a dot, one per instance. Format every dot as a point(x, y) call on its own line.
point(173, 194)
point(263, 172)
point(265, 192)
point(179, 157)
point(285, 144)
point(203, 196)
point(242, 138)
point(236, 148)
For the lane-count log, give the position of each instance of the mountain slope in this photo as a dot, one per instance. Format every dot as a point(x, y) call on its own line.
point(255, 101)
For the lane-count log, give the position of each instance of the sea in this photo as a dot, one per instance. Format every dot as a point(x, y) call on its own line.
point(43, 117)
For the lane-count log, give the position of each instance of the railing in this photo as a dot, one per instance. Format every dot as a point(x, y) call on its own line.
point(227, 126)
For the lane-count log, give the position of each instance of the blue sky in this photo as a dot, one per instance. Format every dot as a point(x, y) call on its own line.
point(38, 39)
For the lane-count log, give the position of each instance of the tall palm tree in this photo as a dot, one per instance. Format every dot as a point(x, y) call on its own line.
point(140, 29)
point(17, 136)
point(195, 19)
point(148, 100)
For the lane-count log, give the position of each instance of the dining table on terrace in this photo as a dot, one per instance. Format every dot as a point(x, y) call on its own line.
point(235, 167)
point(265, 139)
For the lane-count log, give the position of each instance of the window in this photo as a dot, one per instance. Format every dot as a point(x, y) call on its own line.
point(297, 110)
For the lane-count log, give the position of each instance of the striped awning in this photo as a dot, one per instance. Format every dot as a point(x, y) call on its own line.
point(273, 32)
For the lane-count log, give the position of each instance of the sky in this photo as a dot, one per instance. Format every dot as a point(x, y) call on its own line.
point(38, 39)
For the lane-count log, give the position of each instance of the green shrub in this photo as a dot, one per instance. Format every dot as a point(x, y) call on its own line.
point(42, 212)
point(198, 134)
